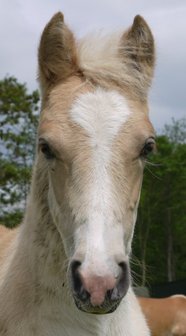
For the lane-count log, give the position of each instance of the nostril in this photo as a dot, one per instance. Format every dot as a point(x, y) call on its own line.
point(124, 266)
point(122, 285)
point(75, 275)
point(75, 264)
point(77, 282)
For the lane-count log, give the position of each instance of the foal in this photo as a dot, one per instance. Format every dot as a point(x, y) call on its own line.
point(68, 269)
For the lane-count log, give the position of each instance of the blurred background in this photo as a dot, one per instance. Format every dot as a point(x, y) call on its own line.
point(159, 254)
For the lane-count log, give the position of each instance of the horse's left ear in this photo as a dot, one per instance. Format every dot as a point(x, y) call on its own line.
point(57, 52)
point(137, 45)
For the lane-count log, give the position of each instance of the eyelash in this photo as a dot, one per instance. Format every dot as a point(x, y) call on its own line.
point(148, 148)
point(46, 150)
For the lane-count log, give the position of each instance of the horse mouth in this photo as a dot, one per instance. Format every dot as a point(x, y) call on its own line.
point(105, 308)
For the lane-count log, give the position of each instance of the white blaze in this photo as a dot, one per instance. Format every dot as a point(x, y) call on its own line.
point(101, 114)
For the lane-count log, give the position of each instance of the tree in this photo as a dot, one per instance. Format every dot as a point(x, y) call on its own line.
point(160, 230)
point(176, 132)
point(18, 118)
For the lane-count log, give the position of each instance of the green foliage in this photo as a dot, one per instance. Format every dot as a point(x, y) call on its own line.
point(176, 132)
point(18, 118)
point(160, 230)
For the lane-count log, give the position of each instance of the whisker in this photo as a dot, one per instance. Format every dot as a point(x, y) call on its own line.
point(154, 164)
point(154, 175)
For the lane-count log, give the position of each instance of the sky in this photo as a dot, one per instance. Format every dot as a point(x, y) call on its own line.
point(22, 22)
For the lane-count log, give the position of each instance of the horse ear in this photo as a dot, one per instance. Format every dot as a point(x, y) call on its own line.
point(57, 52)
point(137, 45)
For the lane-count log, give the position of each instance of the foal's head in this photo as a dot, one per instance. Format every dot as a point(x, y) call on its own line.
point(94, 137)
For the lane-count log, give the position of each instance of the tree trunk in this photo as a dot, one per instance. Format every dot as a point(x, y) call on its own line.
point(170, 254)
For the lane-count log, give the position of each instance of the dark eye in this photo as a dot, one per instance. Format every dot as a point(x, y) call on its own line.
point(46, 150)
point(149, 147)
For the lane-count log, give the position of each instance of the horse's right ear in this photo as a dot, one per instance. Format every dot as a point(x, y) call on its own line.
point(57, 52)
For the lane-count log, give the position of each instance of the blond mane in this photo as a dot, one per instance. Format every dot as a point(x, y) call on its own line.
point(104, 60)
